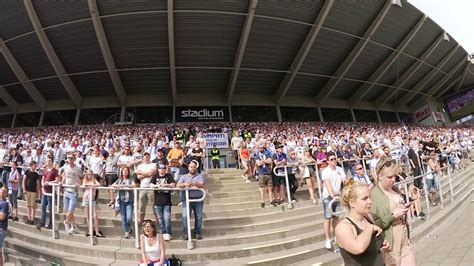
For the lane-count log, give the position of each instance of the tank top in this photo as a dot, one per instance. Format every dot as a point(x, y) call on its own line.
point(152, 252)
point(371, 256)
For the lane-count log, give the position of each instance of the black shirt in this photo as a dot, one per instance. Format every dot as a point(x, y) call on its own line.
point(31, 179)
point(162, 197)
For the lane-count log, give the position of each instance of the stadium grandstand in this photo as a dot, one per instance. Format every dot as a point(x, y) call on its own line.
point(104, 95)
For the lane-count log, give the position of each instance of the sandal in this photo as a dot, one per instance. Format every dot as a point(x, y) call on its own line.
point(99, 234)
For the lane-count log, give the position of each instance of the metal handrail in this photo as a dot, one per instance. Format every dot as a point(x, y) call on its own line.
point(56, 185)
point(337, 213)
point(285, 174)
point(438, 184)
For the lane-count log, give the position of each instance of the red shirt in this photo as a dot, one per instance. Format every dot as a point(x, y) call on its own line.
point(49, 175)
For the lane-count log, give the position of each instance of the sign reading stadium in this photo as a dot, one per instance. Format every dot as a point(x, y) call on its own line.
point(202, 114)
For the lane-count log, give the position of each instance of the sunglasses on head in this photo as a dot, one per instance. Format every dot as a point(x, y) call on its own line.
point(385, 163)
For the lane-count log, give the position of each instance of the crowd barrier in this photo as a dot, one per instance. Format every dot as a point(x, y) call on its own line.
point(56, 199)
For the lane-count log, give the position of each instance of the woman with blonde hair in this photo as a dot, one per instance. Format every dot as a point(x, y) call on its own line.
point(90, 181)
point(358, 237)
point(389, 211)
point(307, 172)
point(152, 245)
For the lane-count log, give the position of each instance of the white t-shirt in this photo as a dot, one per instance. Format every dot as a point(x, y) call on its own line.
point(236, 142)
point(145, 167)
point(335, 177)
point(124, 159)
point(95, 164)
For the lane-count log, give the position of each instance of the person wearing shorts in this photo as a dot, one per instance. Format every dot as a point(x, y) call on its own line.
point(263, 162)
point(13, 185)
point(111, 173)
point(71, 175)
point(432, 169)
point(332, 176)
point(145, 171)
point(31, 185)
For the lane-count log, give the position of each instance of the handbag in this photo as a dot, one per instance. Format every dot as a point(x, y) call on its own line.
point(174, 261)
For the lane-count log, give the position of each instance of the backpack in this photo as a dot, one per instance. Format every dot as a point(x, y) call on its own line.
point(174, 261)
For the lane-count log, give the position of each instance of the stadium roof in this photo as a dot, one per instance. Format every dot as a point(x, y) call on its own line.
point(382, 55)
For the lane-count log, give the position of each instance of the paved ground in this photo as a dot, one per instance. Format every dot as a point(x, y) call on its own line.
point(451, 243)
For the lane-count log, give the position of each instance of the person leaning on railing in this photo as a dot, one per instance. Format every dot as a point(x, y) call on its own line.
point(389, 211)
point(124, 199)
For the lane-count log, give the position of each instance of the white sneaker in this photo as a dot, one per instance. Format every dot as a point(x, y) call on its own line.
point(72, 230)
point(328, 244)
point(167, 237)
point(247, 181)
point(67, 227)
point(244, 177)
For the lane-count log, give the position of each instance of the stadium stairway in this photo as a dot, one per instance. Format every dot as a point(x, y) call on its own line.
point(236, 230)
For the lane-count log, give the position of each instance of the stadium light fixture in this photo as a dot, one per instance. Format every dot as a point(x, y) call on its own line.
point(446, 37)
point(397, 2)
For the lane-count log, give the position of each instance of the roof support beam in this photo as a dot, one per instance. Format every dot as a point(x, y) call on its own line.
point(378, 74)
point(303, 51)
point(462, 79)
point(239, 56)
point(22, 77)
point(174, 89)
point(450, 85)
point(106, 53)
point(440, 83)
point(8, 99)
point(399, 83)
point(353, 55)
point(422, 83)
point(52, 56)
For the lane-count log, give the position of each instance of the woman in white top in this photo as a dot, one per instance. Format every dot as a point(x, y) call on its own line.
point(152, 245)
point(90, 181)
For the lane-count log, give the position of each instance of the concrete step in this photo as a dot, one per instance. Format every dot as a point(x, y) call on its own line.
point(216, 228)
point(52, 255)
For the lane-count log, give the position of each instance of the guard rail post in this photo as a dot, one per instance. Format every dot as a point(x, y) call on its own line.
point(189, 242)
point(427, 200)
point(364, 162)
point(318, 181)
point(135, 214)
point(438, 185)
point(288, 193)
point(285, 174)
point(58, 207)
point(91, 235)
point(336, 213)
point(407, 200)
point(450, 185)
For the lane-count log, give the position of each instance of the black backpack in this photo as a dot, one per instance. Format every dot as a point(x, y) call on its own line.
point(174, 261)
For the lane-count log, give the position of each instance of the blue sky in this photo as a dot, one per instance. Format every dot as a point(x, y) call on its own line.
point(456, 17)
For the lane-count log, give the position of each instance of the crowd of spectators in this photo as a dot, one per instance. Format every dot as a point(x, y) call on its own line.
point(168, 156)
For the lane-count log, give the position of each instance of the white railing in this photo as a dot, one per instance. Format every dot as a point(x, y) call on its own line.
point(55, 194)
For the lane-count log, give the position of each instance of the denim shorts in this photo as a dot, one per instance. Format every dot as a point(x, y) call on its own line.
point(3, 234)
point(70, 200)
point(431, 185)
point(335, 207)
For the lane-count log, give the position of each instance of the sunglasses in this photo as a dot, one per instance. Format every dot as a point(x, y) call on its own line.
point(332, 159)
point(161, 168)
point(384, 163)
